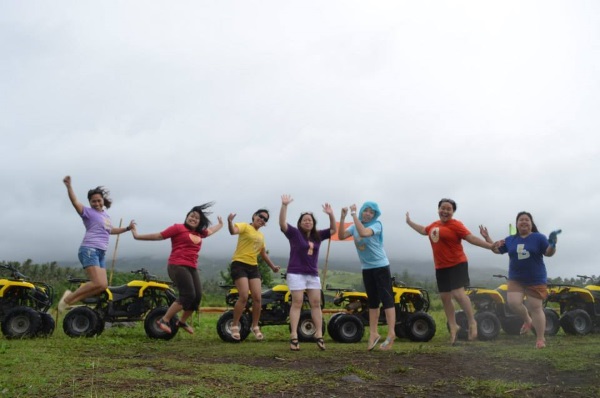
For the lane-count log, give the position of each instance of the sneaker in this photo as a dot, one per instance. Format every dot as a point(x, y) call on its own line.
point(62, 305)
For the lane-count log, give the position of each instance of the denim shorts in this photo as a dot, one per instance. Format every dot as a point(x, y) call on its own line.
point(90, 256)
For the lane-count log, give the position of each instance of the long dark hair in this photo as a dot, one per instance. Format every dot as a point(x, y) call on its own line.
point(204, 221)
point(102, 192)
point(313, 233)
point(524, 213)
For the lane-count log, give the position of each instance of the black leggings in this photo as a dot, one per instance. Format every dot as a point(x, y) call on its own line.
point(187, 281)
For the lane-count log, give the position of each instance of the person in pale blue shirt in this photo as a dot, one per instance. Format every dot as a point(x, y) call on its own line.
point(367, 232)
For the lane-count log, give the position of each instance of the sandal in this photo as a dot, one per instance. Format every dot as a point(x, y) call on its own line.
point(163, 325)
point(387, 344)
point(257, 333)
point(526, 328)
point(321, 343)
point(185, 326)
point(295, 345)
point(373, 344)
point(235, 333)
point(540, 344)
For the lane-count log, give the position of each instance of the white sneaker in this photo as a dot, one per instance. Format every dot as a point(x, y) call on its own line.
point(62, 306)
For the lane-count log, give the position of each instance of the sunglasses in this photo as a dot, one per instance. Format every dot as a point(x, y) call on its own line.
point(265, 219)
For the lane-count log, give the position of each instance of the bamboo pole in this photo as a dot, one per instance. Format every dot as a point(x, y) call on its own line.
point(112, 267)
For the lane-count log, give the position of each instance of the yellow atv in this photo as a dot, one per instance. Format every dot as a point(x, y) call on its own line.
point(493, 313)
point(139, 300)
point(24, 305)
point(412, 320)
point(275, 309)
point(579, 306)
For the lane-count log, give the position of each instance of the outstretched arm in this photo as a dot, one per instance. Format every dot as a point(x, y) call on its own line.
point(215, 228)
point(233, 230)
point(76, 203)
point(472, 239)
point(136, 236)
point(285, 201)
point(419, 228)
point(120, 230)
point(343, 233)
point(332, 224)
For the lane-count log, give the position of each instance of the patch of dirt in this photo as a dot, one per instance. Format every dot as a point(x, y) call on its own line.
point(455, 374)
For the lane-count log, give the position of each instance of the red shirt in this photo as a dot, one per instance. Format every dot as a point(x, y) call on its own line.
point(185, 245)
point(446, 242)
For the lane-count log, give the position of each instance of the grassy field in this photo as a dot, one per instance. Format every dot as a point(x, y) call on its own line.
point(123, 362)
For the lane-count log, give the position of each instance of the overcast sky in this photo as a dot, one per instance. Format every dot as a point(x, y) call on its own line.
point(170, 104)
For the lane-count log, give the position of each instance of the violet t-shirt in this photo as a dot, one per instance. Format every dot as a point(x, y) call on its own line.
point(304, 252)
point(97, 228)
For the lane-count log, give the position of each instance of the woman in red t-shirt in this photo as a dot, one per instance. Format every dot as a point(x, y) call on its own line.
point(451, 266)
point(186, 241)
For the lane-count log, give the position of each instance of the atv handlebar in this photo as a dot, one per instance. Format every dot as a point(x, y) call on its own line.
point(14, 271)
point(500, 276)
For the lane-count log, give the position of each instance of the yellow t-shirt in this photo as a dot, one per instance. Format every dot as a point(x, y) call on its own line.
point(250, 244)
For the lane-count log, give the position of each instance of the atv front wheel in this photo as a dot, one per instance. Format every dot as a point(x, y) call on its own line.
point(307, 328)
point(224, 327)
point(463, 325)
point(331, 329)
point(47, 326)
point(152, 329)
point(576, 322)
point(348, 329)
point(420, 327)
point(81, 322)
point(21, 322)
point(488, 325)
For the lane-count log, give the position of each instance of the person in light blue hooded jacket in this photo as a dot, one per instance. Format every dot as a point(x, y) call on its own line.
point(368, 238)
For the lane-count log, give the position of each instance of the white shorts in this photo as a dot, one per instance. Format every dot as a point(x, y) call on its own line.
point(302, 282)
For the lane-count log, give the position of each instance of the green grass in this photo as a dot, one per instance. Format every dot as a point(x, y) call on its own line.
point(123, 362)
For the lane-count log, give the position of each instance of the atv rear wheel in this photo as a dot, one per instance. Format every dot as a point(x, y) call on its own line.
point(420, 327)
point(552, 322)
point(81, 322)
point(224, 327)
point(576, 322)
point(488, 325)
point(21, 322)
point(307, 328)
point(349, 329)
point(152, 329)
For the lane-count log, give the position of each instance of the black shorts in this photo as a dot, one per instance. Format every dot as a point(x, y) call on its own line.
point(378, 286)
point(452, 278)
point(243, 270)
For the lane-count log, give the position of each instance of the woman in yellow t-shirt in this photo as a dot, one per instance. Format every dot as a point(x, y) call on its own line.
point(244, 268)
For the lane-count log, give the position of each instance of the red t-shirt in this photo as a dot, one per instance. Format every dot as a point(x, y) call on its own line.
point(446, 242)
point(185, 245)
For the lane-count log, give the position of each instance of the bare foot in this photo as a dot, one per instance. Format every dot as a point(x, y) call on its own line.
point(473, 331)
point(454, 334)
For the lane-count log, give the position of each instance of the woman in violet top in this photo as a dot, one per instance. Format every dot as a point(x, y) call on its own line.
point(303, 272)
point(186, 242)
point(368, 239)
point(92, 251)
point(451, 267)
point(244, 268)
point(527, 273)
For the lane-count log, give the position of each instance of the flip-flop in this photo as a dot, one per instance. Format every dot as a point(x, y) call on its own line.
point(387, 344)
point(372, 346)
point(540, 344)
point(321, 343)
point(294, 345)
point(185, 326)
point(526, 328)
